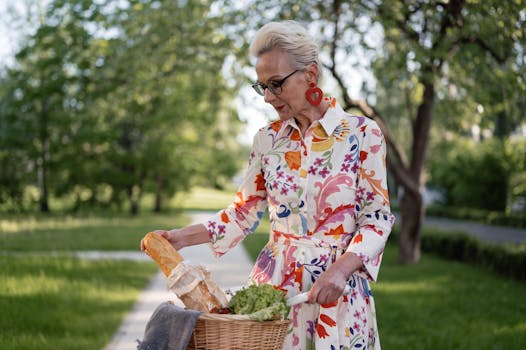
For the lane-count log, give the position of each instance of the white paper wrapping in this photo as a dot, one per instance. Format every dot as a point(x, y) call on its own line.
point(194, 286)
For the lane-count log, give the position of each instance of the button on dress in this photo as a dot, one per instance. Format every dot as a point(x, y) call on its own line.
point(326, 193)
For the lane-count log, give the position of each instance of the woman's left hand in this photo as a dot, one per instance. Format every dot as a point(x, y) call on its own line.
point(330, 285)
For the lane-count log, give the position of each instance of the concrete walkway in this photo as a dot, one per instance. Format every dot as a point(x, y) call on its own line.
point(486, 233)
point(231, 271)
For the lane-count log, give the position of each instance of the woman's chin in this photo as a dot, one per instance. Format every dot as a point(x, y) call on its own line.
point(284, 115)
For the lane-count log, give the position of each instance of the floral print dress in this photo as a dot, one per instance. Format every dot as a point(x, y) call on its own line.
point(326, 194)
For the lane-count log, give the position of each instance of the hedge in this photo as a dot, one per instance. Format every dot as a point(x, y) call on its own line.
point(478, 215)
point(506, 260)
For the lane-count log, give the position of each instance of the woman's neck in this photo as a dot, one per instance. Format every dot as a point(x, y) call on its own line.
point(304, 120)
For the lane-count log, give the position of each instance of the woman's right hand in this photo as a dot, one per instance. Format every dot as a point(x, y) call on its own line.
point(164, 233)
point(183, 237)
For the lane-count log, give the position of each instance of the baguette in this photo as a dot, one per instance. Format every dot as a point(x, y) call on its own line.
point(162, 252)
point(191, 284)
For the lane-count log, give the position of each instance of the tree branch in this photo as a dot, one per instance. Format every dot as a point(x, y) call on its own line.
point(397, 161)
point(401, 24)
point(500, 58)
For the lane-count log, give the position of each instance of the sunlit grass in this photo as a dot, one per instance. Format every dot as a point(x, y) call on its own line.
point(120, 232)
point(65, 303)
point(32, 222)
point(461, 307)
point(201, 198)
point(52, 301)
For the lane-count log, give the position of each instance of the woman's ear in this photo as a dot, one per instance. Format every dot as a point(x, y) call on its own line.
point(311, 73)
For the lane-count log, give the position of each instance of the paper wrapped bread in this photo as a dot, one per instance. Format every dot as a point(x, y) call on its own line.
point(162, 252)
point(192, 284)
point(195, 288)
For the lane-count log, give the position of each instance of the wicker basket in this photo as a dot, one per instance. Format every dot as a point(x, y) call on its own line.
point(231, 332)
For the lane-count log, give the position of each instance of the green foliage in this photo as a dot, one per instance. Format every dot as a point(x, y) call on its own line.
point(508, 261)
point(474, 175)
point(41, 105)
point(107, 103)
point(489, 217)
point(476, 65)
point(171, 98)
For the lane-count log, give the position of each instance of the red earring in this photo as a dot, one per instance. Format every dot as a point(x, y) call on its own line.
point(314, 94)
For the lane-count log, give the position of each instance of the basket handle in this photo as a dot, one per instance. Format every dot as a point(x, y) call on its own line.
point(303, 297)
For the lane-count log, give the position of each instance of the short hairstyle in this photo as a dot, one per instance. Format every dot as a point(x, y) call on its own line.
point(291, 38)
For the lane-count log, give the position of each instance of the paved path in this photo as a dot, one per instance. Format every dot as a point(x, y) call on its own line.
point(487, 233)
point(230, 271)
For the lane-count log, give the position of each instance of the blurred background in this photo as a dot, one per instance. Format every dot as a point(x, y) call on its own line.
point(118, 117)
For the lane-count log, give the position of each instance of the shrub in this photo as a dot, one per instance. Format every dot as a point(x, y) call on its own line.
point(484, 216)
point(473, 175)
point(509, 261)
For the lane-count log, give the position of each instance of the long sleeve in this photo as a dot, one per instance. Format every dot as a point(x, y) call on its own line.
point(229, 226)
point(372, 211)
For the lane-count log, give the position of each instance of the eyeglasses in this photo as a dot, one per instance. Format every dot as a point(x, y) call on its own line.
point(275, 86)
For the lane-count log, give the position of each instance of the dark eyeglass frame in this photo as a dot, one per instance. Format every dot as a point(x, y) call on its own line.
point(274, 86)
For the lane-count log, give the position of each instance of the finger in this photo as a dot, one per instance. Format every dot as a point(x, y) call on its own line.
point(163, 233)
point(313, 296)
point(324, 296)
point(143, 246)
point(329, 295)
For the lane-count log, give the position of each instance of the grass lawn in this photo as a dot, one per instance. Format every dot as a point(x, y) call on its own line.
point(201, 198)
point(66, 233)
point(60, 302)
point(439, 304)
point(65, 303)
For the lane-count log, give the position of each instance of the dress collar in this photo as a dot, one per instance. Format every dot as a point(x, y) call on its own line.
point(330, 121)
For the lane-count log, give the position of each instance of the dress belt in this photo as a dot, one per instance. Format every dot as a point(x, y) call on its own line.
point(289, 239)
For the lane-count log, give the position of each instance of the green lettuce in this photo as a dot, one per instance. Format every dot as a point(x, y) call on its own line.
point(260, 302)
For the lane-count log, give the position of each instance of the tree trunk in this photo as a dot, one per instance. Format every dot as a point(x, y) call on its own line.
point(43, 158)
point(158, 195)
point(158, 203)
point(411, 215)
point(134, 194)
point(134, 209)
point(42, 184)
point(412, 206)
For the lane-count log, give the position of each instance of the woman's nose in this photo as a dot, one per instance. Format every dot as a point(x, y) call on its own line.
point(268, 95)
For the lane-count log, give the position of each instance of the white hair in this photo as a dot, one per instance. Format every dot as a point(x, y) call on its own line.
point(291, 38)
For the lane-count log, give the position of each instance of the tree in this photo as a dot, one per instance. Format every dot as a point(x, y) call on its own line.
point(439, 36)
point(108, 101)
point(42, 99)
point(168, 96)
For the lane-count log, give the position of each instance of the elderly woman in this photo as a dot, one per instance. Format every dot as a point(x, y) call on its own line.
point(321, 174)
